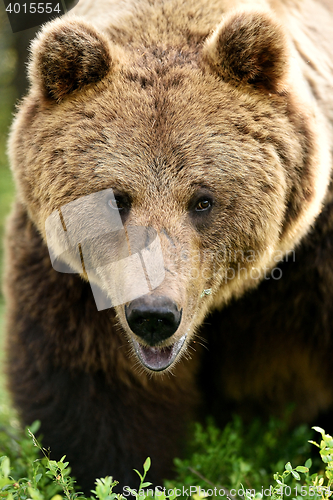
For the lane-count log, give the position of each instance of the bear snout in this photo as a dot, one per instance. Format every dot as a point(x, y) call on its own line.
point(154, 319)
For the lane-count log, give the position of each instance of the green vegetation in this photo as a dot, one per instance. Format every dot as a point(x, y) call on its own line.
point(7, 99)
point(8, 95)
point(241, 454)
point(28, 472)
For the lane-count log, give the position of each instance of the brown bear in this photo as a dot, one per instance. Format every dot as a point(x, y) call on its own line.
point(186, 146)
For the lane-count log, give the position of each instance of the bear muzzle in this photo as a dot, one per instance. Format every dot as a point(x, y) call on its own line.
point(154, 320)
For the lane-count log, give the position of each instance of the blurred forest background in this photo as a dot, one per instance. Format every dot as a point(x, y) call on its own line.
point(13, 86)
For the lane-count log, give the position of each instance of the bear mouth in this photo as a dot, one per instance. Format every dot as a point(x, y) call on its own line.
point(158, 359)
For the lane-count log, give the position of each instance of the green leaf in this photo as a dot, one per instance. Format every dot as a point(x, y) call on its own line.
point(37, 478)
point(34, 427)
point(308, 463)
point(138, 473)
point(319, 429)
point(146, 465)
point(296, 475)
point(288, 467)
point(145, 485)
point(5, 466)
point(300, 468)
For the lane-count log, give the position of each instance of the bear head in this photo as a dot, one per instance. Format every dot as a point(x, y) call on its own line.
point(203, 154)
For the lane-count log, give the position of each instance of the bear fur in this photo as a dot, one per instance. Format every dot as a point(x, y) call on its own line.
point(211, 120)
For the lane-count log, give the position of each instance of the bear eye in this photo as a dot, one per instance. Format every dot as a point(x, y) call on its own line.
point(203, 205)
point(116, 204)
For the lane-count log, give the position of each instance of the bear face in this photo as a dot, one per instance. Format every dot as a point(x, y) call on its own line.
point(207, 144)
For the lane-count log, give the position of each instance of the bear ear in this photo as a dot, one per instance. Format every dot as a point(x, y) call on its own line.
point(67, 55)
point(249, 48)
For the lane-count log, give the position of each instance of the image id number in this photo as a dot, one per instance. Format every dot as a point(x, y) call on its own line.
point(33, 8)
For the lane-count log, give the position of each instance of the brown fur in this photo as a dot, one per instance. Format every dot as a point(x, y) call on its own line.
point(166, 103)
point(248, 47)
point(70, 57)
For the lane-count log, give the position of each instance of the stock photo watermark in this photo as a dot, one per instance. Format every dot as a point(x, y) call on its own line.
point(87, 236)
point(197, 492)
point(23, 15)
point(229, 264)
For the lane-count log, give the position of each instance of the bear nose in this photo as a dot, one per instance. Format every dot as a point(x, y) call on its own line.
point(154, 319)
